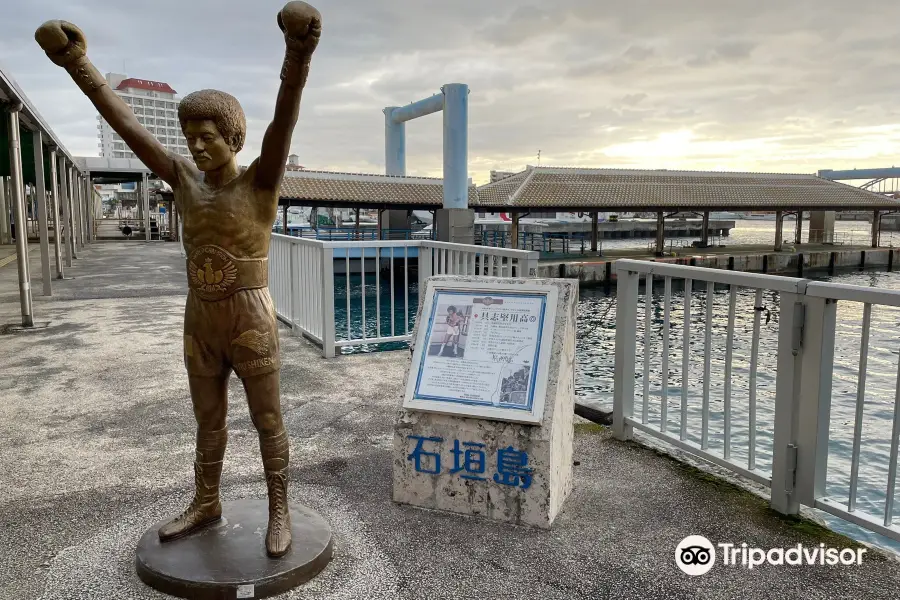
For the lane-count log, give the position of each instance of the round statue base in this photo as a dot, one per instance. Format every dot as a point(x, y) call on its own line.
point(227, 560)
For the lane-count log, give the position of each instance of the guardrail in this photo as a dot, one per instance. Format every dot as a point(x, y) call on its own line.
point(349, 234)
point(783, 443)
point(358, 294)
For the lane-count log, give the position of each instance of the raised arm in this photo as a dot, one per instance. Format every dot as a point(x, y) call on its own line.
point(302, 26)
point(66, 46)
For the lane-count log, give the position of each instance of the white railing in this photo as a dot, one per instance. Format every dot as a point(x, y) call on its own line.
point(721, 405)
point(344, 294)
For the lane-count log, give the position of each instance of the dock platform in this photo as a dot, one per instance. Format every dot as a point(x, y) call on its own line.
point(592, 268)
point(96, 444)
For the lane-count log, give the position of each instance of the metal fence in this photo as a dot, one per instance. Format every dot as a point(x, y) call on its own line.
point(349, 234)
point(658, 398)
point(362, 293)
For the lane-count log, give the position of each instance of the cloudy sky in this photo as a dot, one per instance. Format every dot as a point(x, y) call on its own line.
point(774, 85)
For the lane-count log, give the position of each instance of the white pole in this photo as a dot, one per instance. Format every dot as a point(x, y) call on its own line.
point(456, 145)
point(394, 144)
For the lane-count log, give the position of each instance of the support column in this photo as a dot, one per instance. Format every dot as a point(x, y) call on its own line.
point(394, 144)
point(395, 164)
point(514, 231)
point(5, 237)
point(704, 234)
point(65, 230)
point(660, 233)
point(145, 202)
point(458, 219)
point(798, 235)
point(73, 216)
point(456, 145)
point(172, 220)
point(284, 215)
point(138, 203)
point(779, 230)
point(79, 208)
point(65, 198)
point(17, 189)
point(356, 230)
point(876, 228)
point(41, 194)
point(88, 208)
point(314, 218)
point(595, 226)
point(821, 226)
point(72, 222)
point(54, 191)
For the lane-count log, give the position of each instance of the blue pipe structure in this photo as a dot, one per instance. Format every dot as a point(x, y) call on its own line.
point(454, 102)
point(850, 174)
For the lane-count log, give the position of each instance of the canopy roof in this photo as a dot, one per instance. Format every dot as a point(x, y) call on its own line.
point(646, 190)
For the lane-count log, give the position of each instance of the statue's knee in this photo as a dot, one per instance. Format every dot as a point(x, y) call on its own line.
point(267, 422)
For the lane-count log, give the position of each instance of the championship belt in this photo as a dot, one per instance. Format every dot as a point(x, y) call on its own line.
point(215, 274)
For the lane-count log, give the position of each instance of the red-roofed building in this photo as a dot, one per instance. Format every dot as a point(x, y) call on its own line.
point(156, 107)
point(144, 84)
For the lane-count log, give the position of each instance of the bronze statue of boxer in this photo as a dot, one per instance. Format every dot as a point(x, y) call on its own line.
point(229, 319)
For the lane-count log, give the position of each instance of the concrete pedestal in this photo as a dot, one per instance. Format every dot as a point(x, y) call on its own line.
point(542, 454)
point(456, 225)
point(227, 560)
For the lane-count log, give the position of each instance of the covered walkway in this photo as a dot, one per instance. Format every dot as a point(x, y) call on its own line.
point(96, 443)
point(35, 164)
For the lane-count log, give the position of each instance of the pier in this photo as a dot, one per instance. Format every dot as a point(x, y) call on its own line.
point(96, 413)
point(800, 259)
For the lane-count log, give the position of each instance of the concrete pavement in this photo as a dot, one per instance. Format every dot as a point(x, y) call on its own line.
point(96, 443)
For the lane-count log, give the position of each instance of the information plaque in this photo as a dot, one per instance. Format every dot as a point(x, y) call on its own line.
point(483, 350)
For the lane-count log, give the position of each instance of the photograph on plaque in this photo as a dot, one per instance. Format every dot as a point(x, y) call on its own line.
point(481, 351)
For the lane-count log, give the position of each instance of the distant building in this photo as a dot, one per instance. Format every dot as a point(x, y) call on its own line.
point(498, 175)
point(156, 107)
point(293, 163)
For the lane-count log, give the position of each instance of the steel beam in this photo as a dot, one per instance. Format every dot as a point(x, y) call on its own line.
point(851, 174)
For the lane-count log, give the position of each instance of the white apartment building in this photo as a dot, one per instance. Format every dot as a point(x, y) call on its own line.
point(156, 107)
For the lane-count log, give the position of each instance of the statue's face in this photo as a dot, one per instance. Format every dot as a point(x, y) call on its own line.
point(208, 148)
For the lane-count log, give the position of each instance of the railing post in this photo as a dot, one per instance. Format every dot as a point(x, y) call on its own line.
point(626, 326)
point(531, 264)
point(425, 262)
point(294, 300)
point(328, 347)
point(817, 370)
point(787, 389)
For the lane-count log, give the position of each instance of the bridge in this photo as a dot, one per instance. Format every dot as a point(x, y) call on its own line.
point(881, 181)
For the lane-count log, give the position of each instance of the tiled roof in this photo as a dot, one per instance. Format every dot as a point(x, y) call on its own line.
point(145, 84)
point(324, 186)
point(638, 189)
